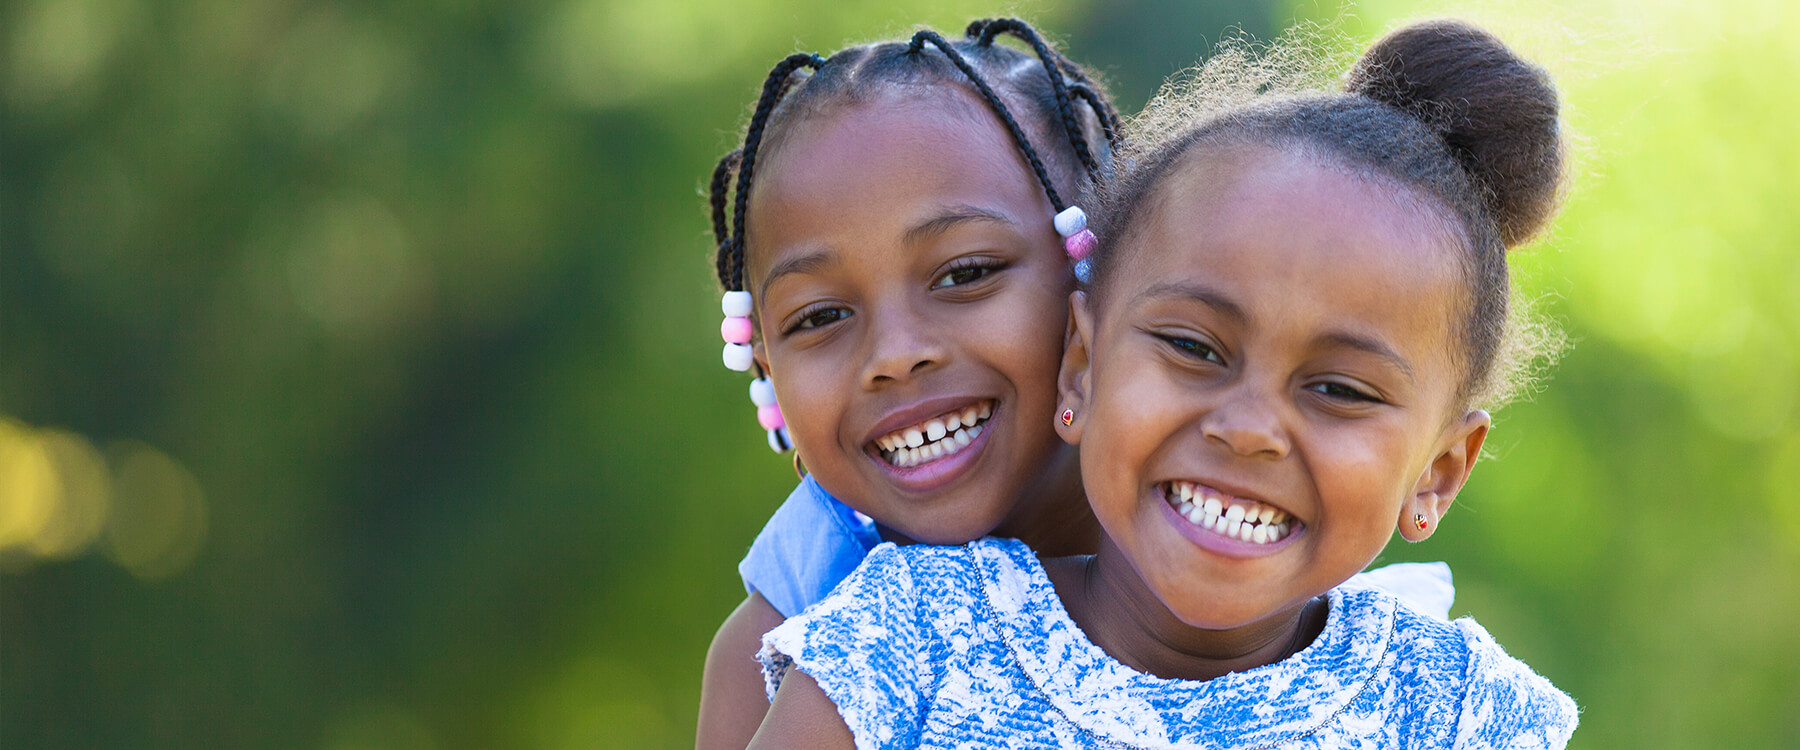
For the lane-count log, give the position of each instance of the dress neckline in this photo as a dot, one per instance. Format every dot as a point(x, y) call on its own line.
point(1119, 706)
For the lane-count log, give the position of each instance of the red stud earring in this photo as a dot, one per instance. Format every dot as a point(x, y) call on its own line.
point(1068, 417)
point(1419, 520)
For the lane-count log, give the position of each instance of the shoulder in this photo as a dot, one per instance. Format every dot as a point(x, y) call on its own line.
point(1506, 703)
point(872, 646)
point(810, 544)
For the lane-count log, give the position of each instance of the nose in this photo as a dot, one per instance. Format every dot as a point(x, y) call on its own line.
point(1247, 422)
point(902, 345)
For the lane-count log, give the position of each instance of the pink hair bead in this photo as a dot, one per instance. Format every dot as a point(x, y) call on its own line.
point(1081, 244)
point(770, 417)
point(736, 330)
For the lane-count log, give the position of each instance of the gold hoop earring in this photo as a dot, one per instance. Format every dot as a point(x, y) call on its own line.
point(799, 469)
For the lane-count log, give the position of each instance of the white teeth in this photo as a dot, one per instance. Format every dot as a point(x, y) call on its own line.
point(1254, 522)
point(934, 430)
point(952, 422)
point(985, 410)
point(913, 438)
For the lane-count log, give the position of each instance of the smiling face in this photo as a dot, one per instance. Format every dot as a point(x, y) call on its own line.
point(911, 300)
point(1268, 383)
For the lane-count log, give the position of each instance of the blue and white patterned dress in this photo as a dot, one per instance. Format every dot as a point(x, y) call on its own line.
point(971, 647)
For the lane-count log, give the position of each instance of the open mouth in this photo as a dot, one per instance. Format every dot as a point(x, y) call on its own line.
point(936, 438)
point(1231, 517)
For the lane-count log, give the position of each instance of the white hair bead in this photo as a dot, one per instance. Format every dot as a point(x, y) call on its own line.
point(762, 392)
point(779, 442)
point(1070, 221)
point(735, 304)
point(738, 357)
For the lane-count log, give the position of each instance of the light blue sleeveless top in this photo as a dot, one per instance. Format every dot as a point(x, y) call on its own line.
point(813, 542)
point(809, 545)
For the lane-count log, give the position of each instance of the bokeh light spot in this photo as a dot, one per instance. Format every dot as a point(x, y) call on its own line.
point(159, 519)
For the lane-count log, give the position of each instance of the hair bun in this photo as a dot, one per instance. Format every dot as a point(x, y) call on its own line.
point(1497, 112)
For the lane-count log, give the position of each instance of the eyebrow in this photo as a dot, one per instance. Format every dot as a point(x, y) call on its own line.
point(950, 217)
point(1369, 345)
point(1218, 301)
point(809, 263)
point(1201, 293)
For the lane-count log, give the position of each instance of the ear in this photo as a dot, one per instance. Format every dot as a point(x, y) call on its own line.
point(1444, 476)
point(762, 358)
point(1075, 378)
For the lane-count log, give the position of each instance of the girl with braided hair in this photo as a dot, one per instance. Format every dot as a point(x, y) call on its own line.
point(894, 278)
point(1297, 308)
point(897, 242)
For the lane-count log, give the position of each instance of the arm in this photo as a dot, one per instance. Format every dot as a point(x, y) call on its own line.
point(732, 698)
point(802, 717)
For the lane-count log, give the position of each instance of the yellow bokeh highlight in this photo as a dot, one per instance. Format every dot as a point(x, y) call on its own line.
point(60, 497)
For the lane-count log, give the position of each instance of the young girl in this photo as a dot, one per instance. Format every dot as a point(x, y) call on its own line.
point(891, 231)
point(1297, 301)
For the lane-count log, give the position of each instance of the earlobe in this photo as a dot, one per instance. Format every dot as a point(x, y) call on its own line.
point(1444, 477)
point(1073, 378)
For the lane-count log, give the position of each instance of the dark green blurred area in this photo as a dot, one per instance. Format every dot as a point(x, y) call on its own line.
point(359, 385)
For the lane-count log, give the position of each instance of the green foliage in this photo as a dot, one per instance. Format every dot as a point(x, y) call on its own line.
point(366, 354)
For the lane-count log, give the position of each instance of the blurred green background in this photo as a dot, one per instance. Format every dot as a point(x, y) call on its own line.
point(359, 385)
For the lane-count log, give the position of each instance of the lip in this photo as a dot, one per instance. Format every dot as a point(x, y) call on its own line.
point(1216, 543)
point(930, 476)
point(919, 412)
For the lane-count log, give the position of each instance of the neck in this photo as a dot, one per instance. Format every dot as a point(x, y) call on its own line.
point(1053, 516)
point(1119, 613)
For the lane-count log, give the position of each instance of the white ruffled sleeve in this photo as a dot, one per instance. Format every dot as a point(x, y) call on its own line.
point(867, 647)
point(1507, 705)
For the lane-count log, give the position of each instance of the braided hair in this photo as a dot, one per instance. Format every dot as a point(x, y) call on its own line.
point(803, 83)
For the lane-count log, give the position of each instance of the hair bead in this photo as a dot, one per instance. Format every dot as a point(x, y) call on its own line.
point(762, 392)
point(1070, 221)
point(736, 330)
point(770, 417)
point(779, 441)
point(1081, 245)
point(735, 304)
point(738, 357)
point(1084, 271)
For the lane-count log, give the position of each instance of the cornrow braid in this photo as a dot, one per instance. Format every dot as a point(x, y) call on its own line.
point(984, 31)
point(721, 189)
point(773, 88)
point(987, 92)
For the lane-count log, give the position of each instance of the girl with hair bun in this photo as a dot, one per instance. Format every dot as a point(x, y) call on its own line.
point(1296, 312)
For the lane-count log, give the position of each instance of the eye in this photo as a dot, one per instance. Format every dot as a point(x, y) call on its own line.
point(1342, 392)
point(967, 271)
point(1194, 348)
point(817, 318)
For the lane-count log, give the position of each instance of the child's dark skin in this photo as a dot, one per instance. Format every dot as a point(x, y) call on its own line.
point(904, 266)
point(1281, 331)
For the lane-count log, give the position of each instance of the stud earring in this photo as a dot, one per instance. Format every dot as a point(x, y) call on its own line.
point(1419, 520)
point(1068, 417)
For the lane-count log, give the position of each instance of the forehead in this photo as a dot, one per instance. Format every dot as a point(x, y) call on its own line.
point(1303, 242)
point(880, 159)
